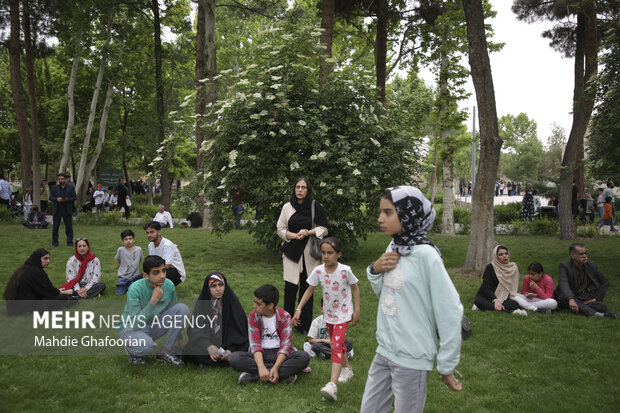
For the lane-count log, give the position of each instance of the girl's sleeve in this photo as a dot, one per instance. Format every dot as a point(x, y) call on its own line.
point(351, 278)
point(448, 312)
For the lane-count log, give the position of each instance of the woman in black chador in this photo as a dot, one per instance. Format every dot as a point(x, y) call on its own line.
point(210, 343)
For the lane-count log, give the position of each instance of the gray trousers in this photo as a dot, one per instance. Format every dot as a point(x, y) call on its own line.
point(385, 379)
point(150, 333)
point(296, 361)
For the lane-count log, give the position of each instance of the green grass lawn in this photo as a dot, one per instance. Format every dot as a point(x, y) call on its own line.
point(539, 363)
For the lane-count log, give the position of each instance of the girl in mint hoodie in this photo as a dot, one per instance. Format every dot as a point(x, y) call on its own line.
point(419, 315)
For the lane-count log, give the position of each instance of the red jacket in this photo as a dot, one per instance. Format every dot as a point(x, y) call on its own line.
point(545, 287)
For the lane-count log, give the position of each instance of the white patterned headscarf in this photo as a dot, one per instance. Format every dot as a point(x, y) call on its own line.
point(416, 215)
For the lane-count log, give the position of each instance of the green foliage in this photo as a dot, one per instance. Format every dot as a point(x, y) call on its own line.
point(520, 138)
point(462, 215)
point(587, 231)
point(101, 218)
point(503, 214)
point(549, 169)
point(284, 124)
point(604, 137)
point(539, 226)
point(6, 215)
point(142, 210)
point(438, 197)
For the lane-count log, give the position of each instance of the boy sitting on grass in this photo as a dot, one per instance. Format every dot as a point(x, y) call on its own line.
point(152, 311)
point(128, 259)
point(270, 357)
point(319, 343)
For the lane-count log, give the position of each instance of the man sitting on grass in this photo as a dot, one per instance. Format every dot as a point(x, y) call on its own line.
point(270, 357)
point(152, 311)
point(36, 219)
point(581, 286)
point(163, 247)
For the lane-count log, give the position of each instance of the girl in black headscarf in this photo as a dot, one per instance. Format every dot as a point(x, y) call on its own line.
point(30, 283)
point(214, 342)
point(295, 227)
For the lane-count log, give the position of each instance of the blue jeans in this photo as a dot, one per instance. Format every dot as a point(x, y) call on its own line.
point(147, 335)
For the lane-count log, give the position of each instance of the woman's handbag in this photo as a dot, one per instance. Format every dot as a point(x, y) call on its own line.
point(128, 201)
point(315, 243)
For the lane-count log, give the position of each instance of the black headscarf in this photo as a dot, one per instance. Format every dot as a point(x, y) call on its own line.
point(416, 215)
point(302, 219)
point(234, 322)
point(34, 261)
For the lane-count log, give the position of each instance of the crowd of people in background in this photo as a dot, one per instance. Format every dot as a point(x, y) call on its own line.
point(508, 187)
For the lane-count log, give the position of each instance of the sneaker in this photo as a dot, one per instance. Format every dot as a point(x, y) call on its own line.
point(330, 391)
point(518, 311)
point(321, 356)
point(345, 374)
point(246, 377)
point(169, 358)
point(136, 359)
point(307, 370)
point(475, 307)
point(543, 311)
point(350, 354)
point(308, 349)
point(291, 379)
point(611, 315)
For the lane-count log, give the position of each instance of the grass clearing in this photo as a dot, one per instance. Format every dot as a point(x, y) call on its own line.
point(557, 362)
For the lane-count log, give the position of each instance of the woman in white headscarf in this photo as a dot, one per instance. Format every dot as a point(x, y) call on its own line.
point(499, 284)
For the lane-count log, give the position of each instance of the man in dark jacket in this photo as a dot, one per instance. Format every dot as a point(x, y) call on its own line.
point(581, 286)
point(122, 192)
point(62, 197)
point(36, 219)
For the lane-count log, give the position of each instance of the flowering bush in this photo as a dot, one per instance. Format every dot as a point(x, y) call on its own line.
point(277, 123)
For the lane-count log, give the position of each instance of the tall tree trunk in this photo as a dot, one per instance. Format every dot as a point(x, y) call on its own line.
point(586, 61)
point(19, 102)
point(159, 97)
point(447, 217)
point(66, 147)
point(482, 238)
point(434, 176)
point(381, 48)
point(102, 128)
point(327, 24)
point(81, 185)
point(32, 97)
point(206, 68)
point(447, 184)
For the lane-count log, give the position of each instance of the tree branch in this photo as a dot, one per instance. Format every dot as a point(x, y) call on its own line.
point(401, 52)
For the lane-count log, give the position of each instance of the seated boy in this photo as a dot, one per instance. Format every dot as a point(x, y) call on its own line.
point(152, 311)
point(271, 356)
point(319, 343)
point(128, 259)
